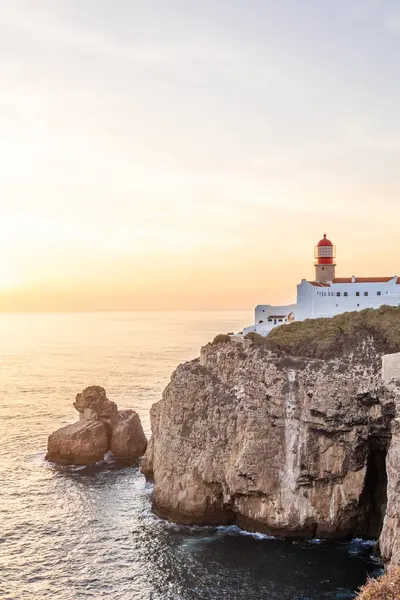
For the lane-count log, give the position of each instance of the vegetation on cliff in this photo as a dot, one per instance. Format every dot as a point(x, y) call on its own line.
point(386, 587)
point(326, 338)
point(222, 338)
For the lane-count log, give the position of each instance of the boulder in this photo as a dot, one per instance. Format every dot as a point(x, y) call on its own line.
point(82, 443)
point(128, 441)
point(93, 404)
point(101, 428)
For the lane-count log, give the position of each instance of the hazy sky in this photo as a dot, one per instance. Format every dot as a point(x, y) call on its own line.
point(189, 154)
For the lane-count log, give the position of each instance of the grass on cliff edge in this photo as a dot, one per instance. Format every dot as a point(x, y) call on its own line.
point(386, 587)
point(325, 338)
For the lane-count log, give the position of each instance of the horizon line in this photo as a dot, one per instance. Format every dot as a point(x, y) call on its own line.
point(123, 310)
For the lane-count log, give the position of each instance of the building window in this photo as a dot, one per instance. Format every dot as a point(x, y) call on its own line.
point(358, 305)
point(269, 320)
point(279, 320)
point(346, 294)
point(357, 293)
point(365, 293)
point(337, 293)
point(378, 293)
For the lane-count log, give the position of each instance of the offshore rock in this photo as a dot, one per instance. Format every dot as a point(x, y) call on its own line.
point(101, 428)
point(82, 443)
point(128, 441)
point(285, 445)
point(93, 404)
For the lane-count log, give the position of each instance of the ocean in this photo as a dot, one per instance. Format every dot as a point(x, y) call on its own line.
point(80, 533)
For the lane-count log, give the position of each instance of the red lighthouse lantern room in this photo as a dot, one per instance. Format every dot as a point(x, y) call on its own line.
point(325, 252)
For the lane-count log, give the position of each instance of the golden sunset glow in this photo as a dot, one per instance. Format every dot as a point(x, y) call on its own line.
point(193, 166)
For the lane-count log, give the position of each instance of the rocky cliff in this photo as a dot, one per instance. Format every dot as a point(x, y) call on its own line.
point(287, 435)
point(390, 536)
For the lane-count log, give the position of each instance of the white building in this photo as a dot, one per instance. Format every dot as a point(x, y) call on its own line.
point(328, 295)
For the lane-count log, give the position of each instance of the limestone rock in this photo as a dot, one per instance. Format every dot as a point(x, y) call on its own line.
point(82, 443)
point(128, 441)
point(389, 541)
point(282, 445)
point(93, 404)
point(101, 427)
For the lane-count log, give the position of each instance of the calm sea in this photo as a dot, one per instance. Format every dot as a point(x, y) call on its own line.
point(68, 533)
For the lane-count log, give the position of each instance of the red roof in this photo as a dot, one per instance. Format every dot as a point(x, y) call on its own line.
point(324, 242)
point(362, 279)
point(356, 280)
point(277, 316)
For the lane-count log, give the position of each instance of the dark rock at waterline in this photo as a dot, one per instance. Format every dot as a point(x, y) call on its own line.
point(101, 428)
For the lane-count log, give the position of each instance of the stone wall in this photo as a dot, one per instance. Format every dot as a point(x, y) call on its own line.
point(391, 367)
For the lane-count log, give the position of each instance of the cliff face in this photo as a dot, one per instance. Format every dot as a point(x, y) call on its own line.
point(390, 537)
point(288, 446)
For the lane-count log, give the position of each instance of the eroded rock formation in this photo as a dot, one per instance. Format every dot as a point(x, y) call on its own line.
point(127, 438)
point(289, 446)
point(101, 427)
point(82, 443)
point(389, 541)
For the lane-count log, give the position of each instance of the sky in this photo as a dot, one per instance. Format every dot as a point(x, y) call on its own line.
point(189, 155)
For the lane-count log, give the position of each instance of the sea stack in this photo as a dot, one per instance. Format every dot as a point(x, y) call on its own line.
point(101, 428)
point(287, 435)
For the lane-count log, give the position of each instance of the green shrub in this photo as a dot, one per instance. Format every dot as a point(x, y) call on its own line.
point(221, 338)
point(326, 338)
point(257, 339)
point(386, 587)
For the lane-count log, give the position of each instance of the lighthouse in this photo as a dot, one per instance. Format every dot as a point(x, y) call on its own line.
point(327, 295)
point(325, 266)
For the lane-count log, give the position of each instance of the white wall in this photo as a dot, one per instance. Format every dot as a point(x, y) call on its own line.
point(324, 301)
point(263, 311)
point(314, 301)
